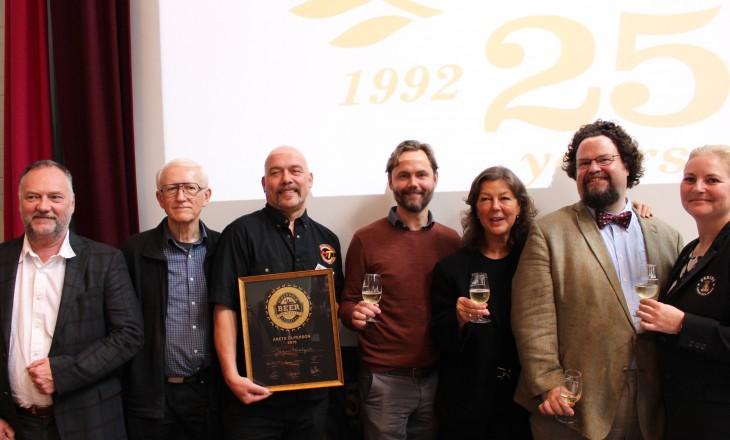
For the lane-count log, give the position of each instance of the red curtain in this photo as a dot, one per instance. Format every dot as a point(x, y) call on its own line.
point(27, 99)
point(94, 128)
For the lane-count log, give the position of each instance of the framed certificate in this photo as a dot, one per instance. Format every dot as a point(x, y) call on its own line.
point(290, 335)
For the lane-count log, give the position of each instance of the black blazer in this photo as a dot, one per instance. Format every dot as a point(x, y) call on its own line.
point(99, 327)
point(695, 364)
point(144, 375)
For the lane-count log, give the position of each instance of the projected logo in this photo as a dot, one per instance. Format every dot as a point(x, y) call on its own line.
point(288, 307)
point(367, 32)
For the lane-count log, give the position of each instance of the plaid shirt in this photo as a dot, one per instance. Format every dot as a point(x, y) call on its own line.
point(187, 322)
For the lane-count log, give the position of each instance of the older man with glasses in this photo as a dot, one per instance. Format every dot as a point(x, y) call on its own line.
point(170, 386)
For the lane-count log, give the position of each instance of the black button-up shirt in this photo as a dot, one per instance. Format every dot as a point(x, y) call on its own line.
point(261, 243)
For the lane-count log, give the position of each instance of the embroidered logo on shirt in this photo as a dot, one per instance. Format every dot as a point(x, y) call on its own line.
point(288, 307)
point(327, 253)
point(706, 285)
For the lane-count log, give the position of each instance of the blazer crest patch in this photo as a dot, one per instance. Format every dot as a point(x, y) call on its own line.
point(706, 285)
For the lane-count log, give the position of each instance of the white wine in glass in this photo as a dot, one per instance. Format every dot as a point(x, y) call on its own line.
point(372, 291)
point(479, 293)
point(570, 392)
point(479, 296)
point(648, 285)
point(371, 297)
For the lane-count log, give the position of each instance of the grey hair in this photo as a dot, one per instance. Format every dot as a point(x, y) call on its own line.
point(47, 163)
point(186, 163)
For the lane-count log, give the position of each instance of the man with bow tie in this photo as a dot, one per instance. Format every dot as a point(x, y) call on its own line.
point(574, 304)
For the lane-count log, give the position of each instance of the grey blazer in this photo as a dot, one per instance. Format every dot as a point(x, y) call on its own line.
point(99, 328)
point(569, 311)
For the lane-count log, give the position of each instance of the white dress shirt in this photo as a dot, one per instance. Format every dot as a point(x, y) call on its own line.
point(37, 296)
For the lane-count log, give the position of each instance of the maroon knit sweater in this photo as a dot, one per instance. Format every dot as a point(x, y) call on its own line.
point(404, 259)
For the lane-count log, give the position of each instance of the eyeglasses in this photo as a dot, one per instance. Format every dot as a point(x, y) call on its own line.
point(602, 161)
point(188, 188)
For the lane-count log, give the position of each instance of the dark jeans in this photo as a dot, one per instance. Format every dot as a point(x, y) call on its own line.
point(298, 420)
point(188, 416)
point(35, 428)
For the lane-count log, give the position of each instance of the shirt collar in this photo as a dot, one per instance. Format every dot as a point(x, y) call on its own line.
point(396, 222)
point(627, 207)
point(66, 251)
point(279, 219)
point(170, 239)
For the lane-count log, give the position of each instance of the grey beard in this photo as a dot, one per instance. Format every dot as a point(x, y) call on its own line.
point(415, 208)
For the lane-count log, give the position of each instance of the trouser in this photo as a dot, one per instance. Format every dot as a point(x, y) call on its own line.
point(29, 427)
point(398, 406)
point(187, 415)
point(298, 420)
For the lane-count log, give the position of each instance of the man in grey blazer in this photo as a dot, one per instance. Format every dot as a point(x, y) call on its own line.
point(69, 320)
point(573, 299)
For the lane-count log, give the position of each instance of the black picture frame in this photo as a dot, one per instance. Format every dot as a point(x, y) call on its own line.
point(291, 338)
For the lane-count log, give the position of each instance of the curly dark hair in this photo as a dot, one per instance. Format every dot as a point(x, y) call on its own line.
point(473, 229)
point(627, 148)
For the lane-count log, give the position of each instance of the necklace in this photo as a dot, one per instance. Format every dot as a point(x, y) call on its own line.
point(692, 261)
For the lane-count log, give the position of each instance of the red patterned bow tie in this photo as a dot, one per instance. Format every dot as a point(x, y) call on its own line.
point(604, 218)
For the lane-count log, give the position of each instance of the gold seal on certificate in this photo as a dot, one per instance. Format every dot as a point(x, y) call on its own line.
point(288, 307)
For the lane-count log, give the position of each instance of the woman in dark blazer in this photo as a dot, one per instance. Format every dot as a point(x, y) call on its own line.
point(692, 316)
point(479, 364)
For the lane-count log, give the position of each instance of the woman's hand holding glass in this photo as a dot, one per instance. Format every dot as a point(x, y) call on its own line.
point(479, 293)
point(467, 310)
point(659, 317)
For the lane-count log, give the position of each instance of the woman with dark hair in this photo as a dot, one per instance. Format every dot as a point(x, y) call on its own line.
point(479, 364)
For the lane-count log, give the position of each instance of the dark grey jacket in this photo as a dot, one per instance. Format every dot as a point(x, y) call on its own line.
point(99, 328)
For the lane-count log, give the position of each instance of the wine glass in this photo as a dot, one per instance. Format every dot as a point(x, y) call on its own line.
point(372, 290)
point(570, 392)
point(479, 293)
point(648, 285)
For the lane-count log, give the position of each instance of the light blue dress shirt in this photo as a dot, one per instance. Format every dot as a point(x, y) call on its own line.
point(628, 253)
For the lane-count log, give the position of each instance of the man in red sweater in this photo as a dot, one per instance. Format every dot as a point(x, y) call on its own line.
point(398, 375)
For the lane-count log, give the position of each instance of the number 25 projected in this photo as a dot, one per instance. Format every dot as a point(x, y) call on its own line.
point(578, 50)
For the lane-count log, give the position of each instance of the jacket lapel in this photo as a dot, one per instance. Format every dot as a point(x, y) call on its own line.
point(8, 272)
point(591, 234)
point(72, 284)
point(719, 243)
point(651, 244)
point(704, 261)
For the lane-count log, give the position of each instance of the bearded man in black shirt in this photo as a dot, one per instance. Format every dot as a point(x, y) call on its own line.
point(281, 237)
